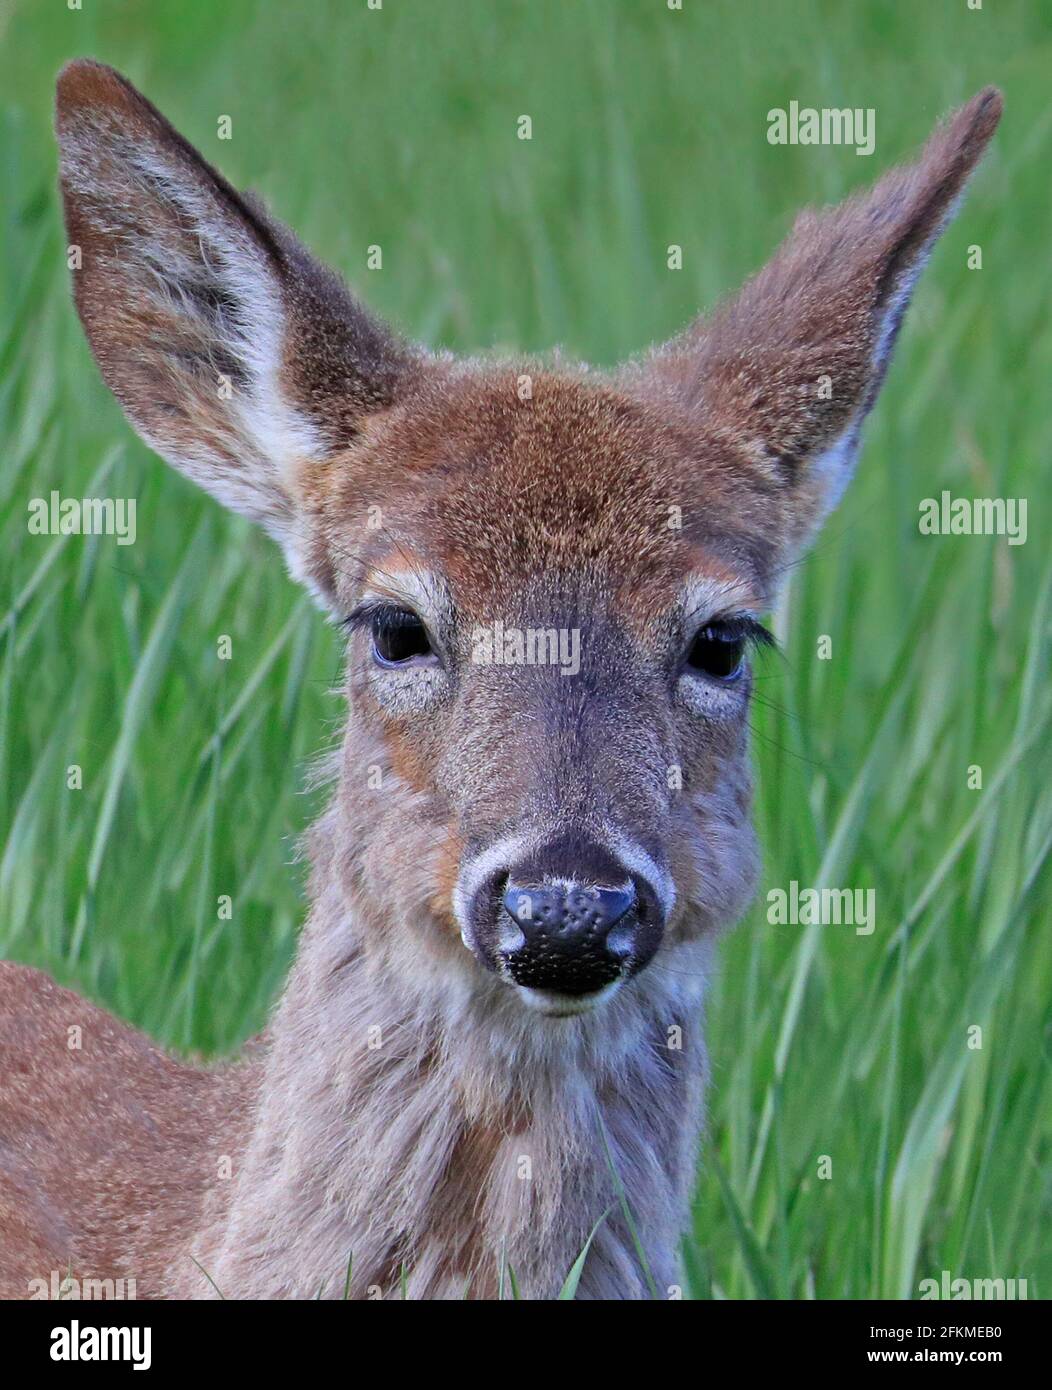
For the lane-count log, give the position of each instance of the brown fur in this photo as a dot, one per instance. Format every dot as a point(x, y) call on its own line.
point(407, 1111)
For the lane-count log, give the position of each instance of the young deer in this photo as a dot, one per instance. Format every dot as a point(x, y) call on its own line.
point(497, 998)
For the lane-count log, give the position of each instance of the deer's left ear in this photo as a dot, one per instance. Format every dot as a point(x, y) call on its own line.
point(785, 373)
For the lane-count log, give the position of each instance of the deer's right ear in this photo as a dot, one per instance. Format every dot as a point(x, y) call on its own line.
point(236, 356)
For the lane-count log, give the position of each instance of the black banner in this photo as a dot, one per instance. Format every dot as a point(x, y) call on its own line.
point(81, 1338)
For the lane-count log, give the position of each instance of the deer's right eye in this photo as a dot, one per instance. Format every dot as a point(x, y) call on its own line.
point(399, 637)
point(717, 651)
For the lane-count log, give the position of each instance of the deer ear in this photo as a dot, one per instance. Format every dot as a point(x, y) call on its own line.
point(787, 371)
point(234, 354)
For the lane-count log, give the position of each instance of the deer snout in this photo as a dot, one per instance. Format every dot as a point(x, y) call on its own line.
point(567, 937)
point(566, 924)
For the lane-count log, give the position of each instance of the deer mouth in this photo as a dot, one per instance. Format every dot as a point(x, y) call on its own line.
point(552, 1005)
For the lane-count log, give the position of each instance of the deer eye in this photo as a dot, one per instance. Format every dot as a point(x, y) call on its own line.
point(399, 637)
point(718, 651)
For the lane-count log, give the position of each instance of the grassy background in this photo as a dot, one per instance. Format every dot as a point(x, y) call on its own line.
point(398, 127)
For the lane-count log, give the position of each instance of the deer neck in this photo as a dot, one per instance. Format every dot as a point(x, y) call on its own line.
point(439, 1136)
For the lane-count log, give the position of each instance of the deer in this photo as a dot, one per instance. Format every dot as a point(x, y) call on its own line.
point(489, 1059)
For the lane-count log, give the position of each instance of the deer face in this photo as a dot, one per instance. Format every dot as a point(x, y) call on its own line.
point(550, 675)
point(550, 581)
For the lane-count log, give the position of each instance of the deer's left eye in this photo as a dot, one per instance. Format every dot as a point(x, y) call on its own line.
point(399, 637)
point(718, 651)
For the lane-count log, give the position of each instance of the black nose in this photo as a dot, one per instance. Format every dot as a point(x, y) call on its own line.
point(571, 938)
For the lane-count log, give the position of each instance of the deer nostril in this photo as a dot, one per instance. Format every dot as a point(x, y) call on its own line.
point(621, 940)
point(510, 937)
point(614, 903)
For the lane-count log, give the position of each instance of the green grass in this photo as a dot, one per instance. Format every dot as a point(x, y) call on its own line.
point(398, 127)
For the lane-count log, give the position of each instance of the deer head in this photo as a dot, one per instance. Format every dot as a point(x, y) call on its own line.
point(550, 580)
